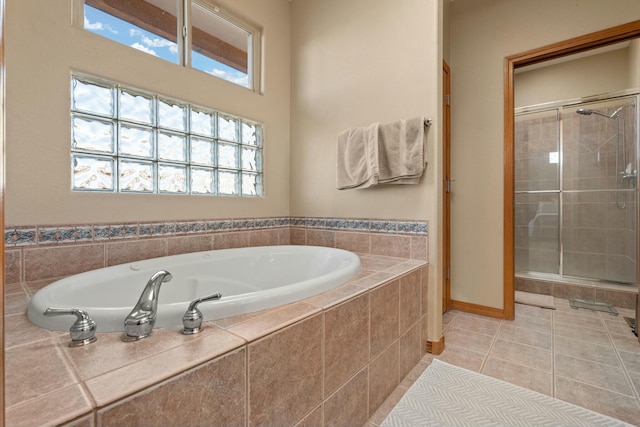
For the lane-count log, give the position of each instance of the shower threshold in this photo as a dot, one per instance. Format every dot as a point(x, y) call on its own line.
point(577, 303)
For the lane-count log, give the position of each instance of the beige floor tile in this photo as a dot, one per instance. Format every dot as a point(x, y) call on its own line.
point(532, 357)
point(586, 350)
point(525, 336)
point(524, 376)
point(596, 374)
point(462, 357)
point(590, 335)
point(476, 324)
point(606, 402)
point(474, 341)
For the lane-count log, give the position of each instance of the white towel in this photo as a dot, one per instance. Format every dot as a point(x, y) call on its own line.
point(358, 158)
point(401, 151)
point(392, 153)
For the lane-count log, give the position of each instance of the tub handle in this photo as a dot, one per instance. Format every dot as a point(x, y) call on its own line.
point(192, 319)
point(83, 329)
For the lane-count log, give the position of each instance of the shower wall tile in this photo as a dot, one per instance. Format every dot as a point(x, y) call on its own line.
point(48, 262)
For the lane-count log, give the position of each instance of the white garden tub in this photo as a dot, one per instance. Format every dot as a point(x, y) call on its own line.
point(249, 279)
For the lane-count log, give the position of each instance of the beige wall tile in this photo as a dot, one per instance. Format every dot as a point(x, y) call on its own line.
point(419, 248)
point(391, 245)
point(263, 237)
point(348, 406)
point(321, 238)
point(298, 236)
point(130, 251)
point(354, 242)
point(238, 239)
point(213, 394)
point(52, 409)
point(313, 419)
point(346, 337)
point(384, 316)
point(410, 299)
point(285, 374)
point(44, 263)
point(383, 376)
point(189, 244)
point(12, 266)
point(41, 378)
point(410, 350)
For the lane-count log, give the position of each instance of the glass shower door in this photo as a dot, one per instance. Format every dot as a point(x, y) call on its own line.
point(599, 206)
point(537, 186)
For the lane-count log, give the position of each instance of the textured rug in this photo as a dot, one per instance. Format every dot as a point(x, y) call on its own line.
point(446, 395)
point(536, 300)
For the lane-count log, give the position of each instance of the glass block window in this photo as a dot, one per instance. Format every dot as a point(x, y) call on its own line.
point(125, 140)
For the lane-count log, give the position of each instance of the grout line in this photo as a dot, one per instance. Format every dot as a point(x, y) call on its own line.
point(493, 342)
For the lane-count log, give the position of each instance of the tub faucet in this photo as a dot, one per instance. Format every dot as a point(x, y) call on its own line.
point(139, 323)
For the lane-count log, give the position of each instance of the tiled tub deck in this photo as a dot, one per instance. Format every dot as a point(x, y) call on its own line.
point(328, 360)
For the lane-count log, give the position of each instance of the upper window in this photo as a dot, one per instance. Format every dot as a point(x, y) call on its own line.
point(193, 33)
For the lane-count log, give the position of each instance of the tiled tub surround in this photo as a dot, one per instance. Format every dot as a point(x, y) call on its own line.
point(331, 359)
point(328, 360)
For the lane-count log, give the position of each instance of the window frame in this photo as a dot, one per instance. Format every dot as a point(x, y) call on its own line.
point(184, 33)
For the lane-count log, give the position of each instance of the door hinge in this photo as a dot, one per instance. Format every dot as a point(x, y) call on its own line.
point(448, 273)
point(184, 32)
point(448, 185)
point(447, 100)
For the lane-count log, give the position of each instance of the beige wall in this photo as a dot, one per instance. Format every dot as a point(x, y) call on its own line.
point(607, 72)
point(483, 32)
point(42, 48)
point(358, 62)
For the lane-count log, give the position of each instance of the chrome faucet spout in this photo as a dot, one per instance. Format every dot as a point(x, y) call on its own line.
point(139, 323)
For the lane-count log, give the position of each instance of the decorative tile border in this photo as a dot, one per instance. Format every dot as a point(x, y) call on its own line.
point(47, 235)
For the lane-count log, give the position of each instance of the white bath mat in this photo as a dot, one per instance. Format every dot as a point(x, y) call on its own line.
point(446, 395)
point(536, 300)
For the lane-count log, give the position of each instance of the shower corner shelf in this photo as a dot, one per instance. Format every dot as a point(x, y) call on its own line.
point(577, 303)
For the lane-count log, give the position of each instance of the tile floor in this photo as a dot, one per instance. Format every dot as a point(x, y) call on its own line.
point(588, 358)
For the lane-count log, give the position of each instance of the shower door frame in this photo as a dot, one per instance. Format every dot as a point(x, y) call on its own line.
point(559, 107)
point(583, 43)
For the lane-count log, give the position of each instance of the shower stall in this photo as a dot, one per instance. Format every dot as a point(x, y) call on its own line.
point(576, 180)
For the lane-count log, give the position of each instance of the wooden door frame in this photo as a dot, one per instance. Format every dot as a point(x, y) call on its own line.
point(446, 169)
point(577, 44)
